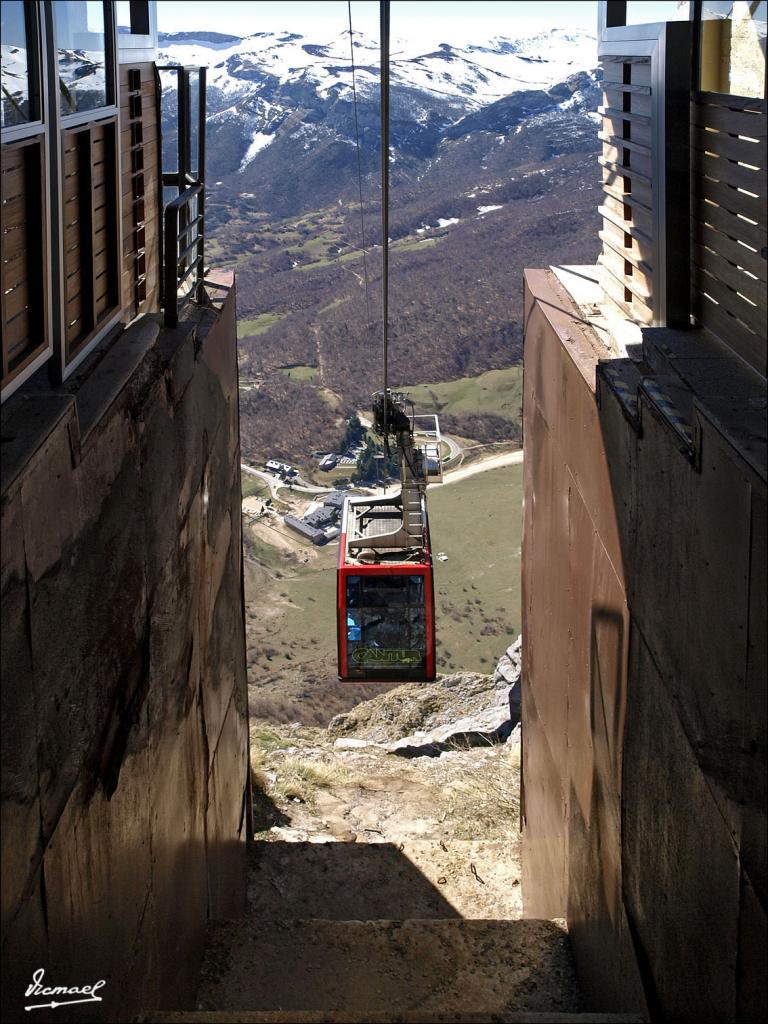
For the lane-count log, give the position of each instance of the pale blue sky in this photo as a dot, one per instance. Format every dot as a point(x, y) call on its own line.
point(455, 21)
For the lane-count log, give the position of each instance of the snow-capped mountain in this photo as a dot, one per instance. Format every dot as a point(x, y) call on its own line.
point(280, 104)
point(473, 75)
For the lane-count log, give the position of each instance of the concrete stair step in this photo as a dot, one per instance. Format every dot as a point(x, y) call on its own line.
point(320, 1017)
point(423, 878)
point(413, 966)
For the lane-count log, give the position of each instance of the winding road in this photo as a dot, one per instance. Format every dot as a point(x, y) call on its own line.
point(451, 477)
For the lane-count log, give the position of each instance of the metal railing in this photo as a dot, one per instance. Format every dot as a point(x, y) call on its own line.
point(184, 216)
point(183, 259)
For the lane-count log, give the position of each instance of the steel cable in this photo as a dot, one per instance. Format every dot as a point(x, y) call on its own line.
point(384, 106)
point(359, 167)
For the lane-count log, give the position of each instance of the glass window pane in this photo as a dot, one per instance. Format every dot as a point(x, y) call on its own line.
point(386, 622)
point(648, 12)
point(132, 17)
point(14, 65)
point(194, 122)
point(81, 45)
point(733, 37)
point(123, 17)
point(169, 100)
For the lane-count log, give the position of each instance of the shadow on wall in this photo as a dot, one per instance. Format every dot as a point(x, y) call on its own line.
point(679, 430)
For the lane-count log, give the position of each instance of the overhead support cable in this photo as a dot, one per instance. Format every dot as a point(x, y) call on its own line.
point(384, 107)
point(359, 168)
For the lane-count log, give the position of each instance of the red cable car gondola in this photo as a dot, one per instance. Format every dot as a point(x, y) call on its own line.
point(385, 605)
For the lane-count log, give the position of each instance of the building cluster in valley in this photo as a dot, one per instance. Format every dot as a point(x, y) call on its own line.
point(321, 523)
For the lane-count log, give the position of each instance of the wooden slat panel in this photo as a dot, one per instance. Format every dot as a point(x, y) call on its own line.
point(73, 332)
point(12, 182)
point(23, 281)
point(14, 241)
point(100, 263)
point(13, 161)
point(637, 309)
point(100, 172)
point(722, 270)
point(641, 284)
point(148, 117)
point(639, 161)
point(14, 211)
point(150, 162)
point(730, 173)
point(730, 120)
point(718, 241)
point(17, 300)
point(640, 194)
point(616, 141)
point(69, 162)
point(730, 102)
point(639, 131)
point(73, 285)
point(70, 188)
point(731, 146)
point(16, 337)
point(615, 168)
point(640, 249)
point(753, 319)
point(102, 305)
point(72, 235)
point(735, 227)
point(99, 193)
point(630, 213)
point(622, 87)
point(748, 344)
point(612, 242)
point(634, 117)
point(14, 271)
point(623, 225)
point(613, 69)
point(71, 214)
point(737, 202)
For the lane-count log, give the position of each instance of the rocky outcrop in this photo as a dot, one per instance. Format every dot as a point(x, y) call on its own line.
point(465, 709)
point(493, 725)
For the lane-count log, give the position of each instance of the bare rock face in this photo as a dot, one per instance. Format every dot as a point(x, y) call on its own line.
point(416, 706)
point(460, 710)
point(493, 725)
point(510, 666)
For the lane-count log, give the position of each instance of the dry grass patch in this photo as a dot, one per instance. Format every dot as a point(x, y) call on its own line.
point(300, 779)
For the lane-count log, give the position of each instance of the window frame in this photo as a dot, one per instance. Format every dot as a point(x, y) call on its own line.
point(135, 47)
point(62, 367)
point(37, 30)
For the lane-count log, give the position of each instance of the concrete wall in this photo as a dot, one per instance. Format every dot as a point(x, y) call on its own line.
point(124, 707)
point(644, 708)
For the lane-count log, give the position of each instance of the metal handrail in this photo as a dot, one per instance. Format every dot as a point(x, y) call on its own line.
point(176, 271)
point(183, 233)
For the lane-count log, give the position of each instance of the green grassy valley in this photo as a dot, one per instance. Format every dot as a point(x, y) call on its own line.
point(291, 598)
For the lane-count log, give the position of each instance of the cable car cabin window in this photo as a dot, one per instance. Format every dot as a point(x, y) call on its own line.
point(386, 624)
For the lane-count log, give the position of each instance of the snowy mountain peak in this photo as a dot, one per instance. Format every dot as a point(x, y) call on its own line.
point(474, 74)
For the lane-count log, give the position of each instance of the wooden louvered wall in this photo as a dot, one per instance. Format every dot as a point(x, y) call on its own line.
point(90, 231)
point(628, 189)
point(646, 173)
point(140, 187)
point(730, 165)
point(23, 275)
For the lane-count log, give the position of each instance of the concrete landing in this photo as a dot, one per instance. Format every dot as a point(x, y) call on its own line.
point(366, 881)
point(395, 967)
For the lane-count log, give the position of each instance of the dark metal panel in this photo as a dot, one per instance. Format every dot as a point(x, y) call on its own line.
point(681, 870)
